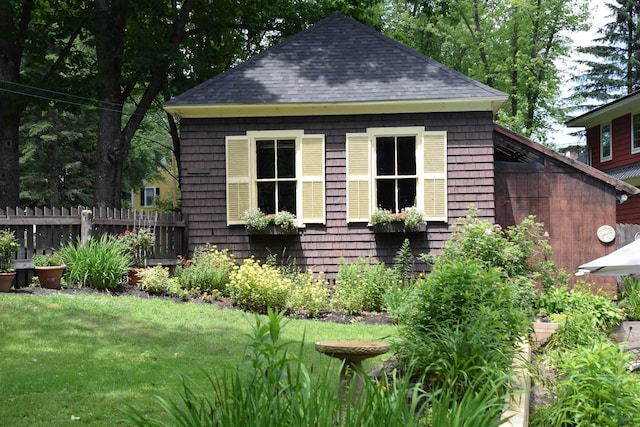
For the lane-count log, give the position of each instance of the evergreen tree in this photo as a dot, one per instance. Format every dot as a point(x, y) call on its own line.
point(613, 67)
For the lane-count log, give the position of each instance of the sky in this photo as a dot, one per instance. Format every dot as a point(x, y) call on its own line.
point(598, 12)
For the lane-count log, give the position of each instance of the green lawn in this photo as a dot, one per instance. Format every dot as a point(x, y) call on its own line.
point(77, 360)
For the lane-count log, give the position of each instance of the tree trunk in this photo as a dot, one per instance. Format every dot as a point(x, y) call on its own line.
point(12, 33)
point(110, 25)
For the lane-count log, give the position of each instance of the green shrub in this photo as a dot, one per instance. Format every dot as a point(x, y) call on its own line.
point(522, 250)
point(208, 271)
point(629, 298)
point(257, 287)
point(100, 264)
point(309, 293)
point(463, 317)
point(580, 299)
point(594, 389)
point(155, 280)
point(361, 285)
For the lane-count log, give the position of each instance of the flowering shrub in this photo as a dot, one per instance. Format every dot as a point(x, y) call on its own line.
point(521, 250)
point(155, 280)
point(255, 219)
point(410, 217)
point(257, 287)
point(139, 243)
point(309, 294)
point(209, 270)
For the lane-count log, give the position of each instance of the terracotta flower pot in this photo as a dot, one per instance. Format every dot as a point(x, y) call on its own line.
point(6, 279)
point(49, 277)
point(134, 277)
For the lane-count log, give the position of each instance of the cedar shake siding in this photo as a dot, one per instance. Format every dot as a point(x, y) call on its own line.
point(321, 247)
point(572, 204)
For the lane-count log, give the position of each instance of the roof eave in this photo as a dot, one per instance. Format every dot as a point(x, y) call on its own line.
point(618, 184)
point(331, 109)
point(607, 112)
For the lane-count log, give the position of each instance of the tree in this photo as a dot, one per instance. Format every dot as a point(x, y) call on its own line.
point(613, 64)
point(509, 45)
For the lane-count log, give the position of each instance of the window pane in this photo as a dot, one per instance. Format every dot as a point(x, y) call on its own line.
point(605, 141)
point(149, 196)
point(286, 159)
point(406, 193)
point(636, 131)
point(267, 197)
point(385, 156)
point(407, 155)
point(265, 158)
point(287, 197)
point(386, 194)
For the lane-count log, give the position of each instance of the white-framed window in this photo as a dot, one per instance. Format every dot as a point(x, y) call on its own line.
point(605, 142)
point(635, 133)
point(276, 171)
point(395, 168)
point(148, 196)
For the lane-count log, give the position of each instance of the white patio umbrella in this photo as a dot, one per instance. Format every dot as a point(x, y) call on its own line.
point(621, 262)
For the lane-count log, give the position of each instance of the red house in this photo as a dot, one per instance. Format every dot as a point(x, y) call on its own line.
point(613, 142)
point(339, 120)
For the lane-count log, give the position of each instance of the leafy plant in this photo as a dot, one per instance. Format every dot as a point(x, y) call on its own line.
point(580, 299)
point(8, 246)
point(155, 280)
point(463, 316)
point(594, 389)
point(255, 219)
point(139, 242)
point(257, 287)
point(403, 264)
point(629, 298)
point(47, 260)
point(100, 264)
point(309, 294)
point(361, 285)
point(209, 270)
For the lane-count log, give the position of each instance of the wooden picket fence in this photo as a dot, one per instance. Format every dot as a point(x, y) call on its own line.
point(42, 230)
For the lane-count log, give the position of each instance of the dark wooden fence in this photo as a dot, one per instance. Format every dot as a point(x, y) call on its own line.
point(42, 230)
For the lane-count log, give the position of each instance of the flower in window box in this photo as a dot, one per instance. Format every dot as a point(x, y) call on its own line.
point(256, 220)
point(408, 219)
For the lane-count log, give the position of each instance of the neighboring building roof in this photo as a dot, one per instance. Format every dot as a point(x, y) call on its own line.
point(336, 66)
point(528, 151)
point(626, 104)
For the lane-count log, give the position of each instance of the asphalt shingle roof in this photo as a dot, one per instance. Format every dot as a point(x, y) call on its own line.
point(336, 60)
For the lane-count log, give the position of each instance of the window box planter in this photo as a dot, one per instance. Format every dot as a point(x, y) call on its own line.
point(396, 227)
point(273, 230)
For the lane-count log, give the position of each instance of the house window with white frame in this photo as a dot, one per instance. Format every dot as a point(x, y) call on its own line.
point(275, 171)
point(635, 133)
point(605, 142)
point(395, 168)
point(148, 196)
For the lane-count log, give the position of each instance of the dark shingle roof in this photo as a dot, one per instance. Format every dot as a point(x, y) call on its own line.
point(336, 60)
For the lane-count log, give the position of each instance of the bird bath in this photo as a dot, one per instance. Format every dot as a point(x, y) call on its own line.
point(352, 353)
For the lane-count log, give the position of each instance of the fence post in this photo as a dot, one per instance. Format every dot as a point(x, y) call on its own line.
point(86, 226)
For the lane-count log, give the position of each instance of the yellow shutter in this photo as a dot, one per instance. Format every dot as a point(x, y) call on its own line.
point(358, 187)
point(313, 203)
point(434, 178)
point(238, 164)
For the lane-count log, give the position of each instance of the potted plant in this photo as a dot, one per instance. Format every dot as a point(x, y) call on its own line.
point(8, 246)
point(257, 222)
point(139, 244)
point(49, 269)
point(408, 220)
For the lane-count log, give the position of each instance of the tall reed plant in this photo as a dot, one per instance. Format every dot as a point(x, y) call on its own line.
point(100, 264)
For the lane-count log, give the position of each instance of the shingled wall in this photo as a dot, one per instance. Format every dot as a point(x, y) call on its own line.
point(470, 180)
